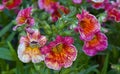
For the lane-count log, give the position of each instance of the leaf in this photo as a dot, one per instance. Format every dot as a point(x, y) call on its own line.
point(105, 67)
point(19, 65)
point(5, 54)
point(91, 69)
point(12, 50)
point(4, 30)
point(11, 36)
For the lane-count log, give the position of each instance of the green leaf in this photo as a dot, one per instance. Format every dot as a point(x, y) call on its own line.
point(4, 30)
point(11, 36)
point(12, 50)
point(105, 67)
point(5, 54)
point(91, 69)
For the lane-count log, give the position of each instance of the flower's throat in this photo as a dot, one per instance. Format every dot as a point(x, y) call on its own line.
point(34, 44)
point(58, 48)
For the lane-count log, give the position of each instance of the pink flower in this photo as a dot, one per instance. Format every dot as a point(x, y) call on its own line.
point(97, 4)
point(11, 4)
point(60, 53)
point(113, 11)
point(24, 17)
point(29, 48)
point(2, 7)
point(53, 8)
point(97, 44)
point(77, 1)
point(88, 25)
point(47, 5)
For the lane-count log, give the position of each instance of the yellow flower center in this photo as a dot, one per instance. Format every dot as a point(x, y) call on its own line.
point(32, 51)
point(94, 41)
point(58, 48)
point(48, 2)
point(87, 25)
point(9, 2)
point(21, 20)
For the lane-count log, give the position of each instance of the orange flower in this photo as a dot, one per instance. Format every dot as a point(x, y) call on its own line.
point(95, 45)
point(60, 53)
point(88, 25)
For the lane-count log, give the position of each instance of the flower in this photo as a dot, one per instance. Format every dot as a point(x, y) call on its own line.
point(97, 4)
point(113, 11)
point(77, 1)
point(97, 44)
point(88, 25)
point(60, 53)
point(11, 4)
point(47, 5)
point(52, 7)
point(24, 17)
point(29, 48)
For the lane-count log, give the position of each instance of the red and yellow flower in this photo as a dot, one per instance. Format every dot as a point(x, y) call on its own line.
point(97, 44)
point(88, 25)
point(29, 48)
point(24, 17)
point(11, 4)
point(60, 53)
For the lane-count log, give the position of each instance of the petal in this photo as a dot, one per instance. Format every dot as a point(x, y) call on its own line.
point(31, 21)
point(42, 40)
point(77, 1)
point(69, 40)
point(34, 36)
point(52, 65)
point(45, 50)
point(68, 64)
point(24, 39)
point(71, 52)
point(40, 4)
point(90, 52)
point(21, 49)
point(38, 58)
point(2, 7)
point(59, 38)
point(25, 58)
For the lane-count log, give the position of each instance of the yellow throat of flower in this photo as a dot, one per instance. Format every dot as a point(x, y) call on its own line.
point(9, 2)
point(32, 51)
point(58, 48)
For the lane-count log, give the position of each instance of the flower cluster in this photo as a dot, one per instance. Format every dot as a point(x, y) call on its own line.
point(111, 7)
point(89, 29)
point(113, 11)
point(52, 7)
point(60, 52)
